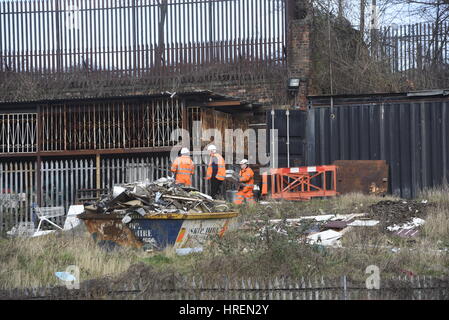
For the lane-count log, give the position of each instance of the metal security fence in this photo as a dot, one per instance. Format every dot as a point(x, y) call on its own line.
point(200, 288)
point(91, 125)
point(61, 181)
point(419, 51)
point(17, 192)
point(18, 132)
point(150, 38)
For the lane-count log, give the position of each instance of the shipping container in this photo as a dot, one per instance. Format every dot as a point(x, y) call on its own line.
point(408, 130)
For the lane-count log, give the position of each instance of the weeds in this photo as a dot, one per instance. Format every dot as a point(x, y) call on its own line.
point(273, 251)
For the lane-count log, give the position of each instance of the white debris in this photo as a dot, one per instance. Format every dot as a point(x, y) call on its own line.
point(363, 223)
point(23, 229)
point(126, 219)
point(140, 211)
point(203, 195)
point(117, 190)
point(186, 251)
point(347, 217)
point(42, 233)
point(72, 221)
point(416, 222)
point(320, 218)
point(424, 201)
point(65, 276)
point(325, 238)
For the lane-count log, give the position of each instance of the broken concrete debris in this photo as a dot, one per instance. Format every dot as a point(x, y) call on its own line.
point(390, 212)
point(325, 230)
point(325, 238)
point(364, 223)
point(150, 198)
point(409, 229)
point(415, 222)
point(400, 218)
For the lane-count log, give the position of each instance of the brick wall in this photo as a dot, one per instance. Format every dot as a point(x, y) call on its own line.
point(273, 91)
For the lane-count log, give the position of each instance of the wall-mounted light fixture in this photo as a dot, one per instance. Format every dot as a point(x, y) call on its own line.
point(293, 84)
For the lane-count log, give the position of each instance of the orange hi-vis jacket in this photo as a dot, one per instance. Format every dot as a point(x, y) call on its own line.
point(247, 178)
point(221, 173)
point(184, 168)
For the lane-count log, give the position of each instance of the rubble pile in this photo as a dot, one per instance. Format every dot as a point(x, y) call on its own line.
point(397, 212)
point(159, 197)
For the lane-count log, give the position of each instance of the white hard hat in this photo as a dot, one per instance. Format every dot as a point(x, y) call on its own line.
point(185, 151)
point(212, 148)
point(244, 161)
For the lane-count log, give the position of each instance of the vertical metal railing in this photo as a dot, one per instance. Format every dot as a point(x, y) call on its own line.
point(103, 125)
point(142, 37)
point(61, 179)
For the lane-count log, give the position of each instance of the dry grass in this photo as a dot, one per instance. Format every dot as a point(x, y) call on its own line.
point(357, 202)
point(436, 227)
point(345, 204)
point(437, 224)
point(438, 195)
point(32, 262)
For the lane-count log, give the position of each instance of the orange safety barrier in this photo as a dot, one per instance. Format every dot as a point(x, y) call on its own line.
point(297, 184)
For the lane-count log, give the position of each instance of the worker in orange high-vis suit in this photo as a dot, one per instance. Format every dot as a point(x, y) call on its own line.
point(183, 168)
point(216, 171)
point(246, 184)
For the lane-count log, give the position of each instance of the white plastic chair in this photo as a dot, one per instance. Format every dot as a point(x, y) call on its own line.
point(45, 213)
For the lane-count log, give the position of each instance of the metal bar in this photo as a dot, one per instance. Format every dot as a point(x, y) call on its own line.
point(257, 27)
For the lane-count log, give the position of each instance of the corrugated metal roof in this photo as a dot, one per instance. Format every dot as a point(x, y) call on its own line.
point(164, 94)
point(371, 98)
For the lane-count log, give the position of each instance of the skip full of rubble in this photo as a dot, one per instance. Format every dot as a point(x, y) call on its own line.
point(162, 196)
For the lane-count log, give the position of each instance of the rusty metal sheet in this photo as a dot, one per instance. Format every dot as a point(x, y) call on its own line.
point(112, 230)
point(337, 224)
point(159, 231)
point(366, 176)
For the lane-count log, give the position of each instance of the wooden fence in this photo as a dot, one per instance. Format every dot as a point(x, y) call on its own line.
point(62, 178)
point(199, 288)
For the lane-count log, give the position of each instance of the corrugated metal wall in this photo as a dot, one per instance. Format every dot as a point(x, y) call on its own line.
point(291, 125)
point(411, 135)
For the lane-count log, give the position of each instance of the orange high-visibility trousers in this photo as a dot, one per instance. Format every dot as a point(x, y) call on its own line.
point(246, 194)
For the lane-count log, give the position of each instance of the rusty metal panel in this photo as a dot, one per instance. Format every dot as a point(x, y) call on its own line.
point(112, 230)
point(159, 231)
point(366, 176)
